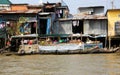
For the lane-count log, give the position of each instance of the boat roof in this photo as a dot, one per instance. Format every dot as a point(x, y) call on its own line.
point(25, 36)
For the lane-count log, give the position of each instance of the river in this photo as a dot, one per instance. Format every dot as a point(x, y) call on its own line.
point(78, 64)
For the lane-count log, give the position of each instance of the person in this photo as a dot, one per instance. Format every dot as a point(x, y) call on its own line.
point(30, 42)
point(48, 40)
point(8, 43)
point(22, 42)
point(25, 42)
point(55, 42)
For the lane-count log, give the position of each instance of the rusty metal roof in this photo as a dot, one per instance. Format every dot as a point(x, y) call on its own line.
point(20, 11)
point(84, 17)
point(39, 6)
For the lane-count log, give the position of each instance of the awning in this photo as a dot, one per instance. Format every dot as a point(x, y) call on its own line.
point(97, 36)
point(89, 35)
point(25, 36)
point(55, 35)
point(32, 19)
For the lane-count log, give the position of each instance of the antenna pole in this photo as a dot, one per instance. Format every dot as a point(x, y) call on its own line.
point(112, 2)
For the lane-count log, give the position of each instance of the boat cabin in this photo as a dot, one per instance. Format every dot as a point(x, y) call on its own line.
point(25, 44)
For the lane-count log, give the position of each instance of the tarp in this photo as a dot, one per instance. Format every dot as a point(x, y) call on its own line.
point(54, 35)
point(87, 46)
point(48, 26)
point(97, 36)
point(62, 27)
point(62, 47)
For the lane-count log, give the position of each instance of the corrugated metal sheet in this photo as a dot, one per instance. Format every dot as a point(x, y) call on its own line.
point(92, 7)
point(5, 2)
point(18, 11)
point(64, 27)
point(84, 16)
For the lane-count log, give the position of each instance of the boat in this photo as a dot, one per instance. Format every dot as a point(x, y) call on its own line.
point(61, 48)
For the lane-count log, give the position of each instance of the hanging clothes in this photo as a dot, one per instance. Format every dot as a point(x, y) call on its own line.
point(22, 28)
point(58, 13)
point(74, 23)
point(77, 23)
point(35, 25)
point(2, 25)
point(26, 25)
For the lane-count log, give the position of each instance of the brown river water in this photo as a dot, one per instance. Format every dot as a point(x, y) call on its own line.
point(84, 64)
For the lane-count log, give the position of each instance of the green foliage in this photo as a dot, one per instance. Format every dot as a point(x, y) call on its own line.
point(22, 20)
point(15, 28)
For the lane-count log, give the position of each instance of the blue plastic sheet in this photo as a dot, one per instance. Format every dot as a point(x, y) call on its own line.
point(48, 26)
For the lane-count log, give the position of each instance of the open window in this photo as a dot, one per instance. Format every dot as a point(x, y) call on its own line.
point(77, 26)
point(28, 28)
point(117, 28)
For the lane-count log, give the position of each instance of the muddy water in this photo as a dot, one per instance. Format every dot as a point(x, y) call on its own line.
point(89, 64)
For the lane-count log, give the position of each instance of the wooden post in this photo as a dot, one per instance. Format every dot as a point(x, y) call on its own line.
point(37, 31)
point(71, 37)
point(5, 40)
point(81, 35)
point(5, 36)
point(109, 42)
point(96, 41)
point(105, 41)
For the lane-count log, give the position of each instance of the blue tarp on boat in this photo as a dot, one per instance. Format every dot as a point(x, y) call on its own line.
point(87, 46)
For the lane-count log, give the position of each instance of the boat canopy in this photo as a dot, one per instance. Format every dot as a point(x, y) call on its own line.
point(25, 36)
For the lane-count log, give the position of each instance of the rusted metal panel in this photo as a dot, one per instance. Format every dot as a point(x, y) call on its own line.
point(19, 12)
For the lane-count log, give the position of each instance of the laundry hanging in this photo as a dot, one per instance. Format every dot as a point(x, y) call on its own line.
point(75, 23)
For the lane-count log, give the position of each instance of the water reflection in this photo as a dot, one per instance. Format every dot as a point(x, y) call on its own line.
point(89, 64)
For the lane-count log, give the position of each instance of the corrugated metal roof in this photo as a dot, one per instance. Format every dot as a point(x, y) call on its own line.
point(84, 16)
point(20, 4)
point(91, 7)
point(18, 11)
point(5, 2)
point(35, 6)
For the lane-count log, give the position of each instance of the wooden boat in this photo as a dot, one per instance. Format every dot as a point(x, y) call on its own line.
point(100, 50)
point(66, 48)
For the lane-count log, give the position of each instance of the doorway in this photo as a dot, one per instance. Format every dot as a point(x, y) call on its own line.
point(44, 26)
point(33, 27)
